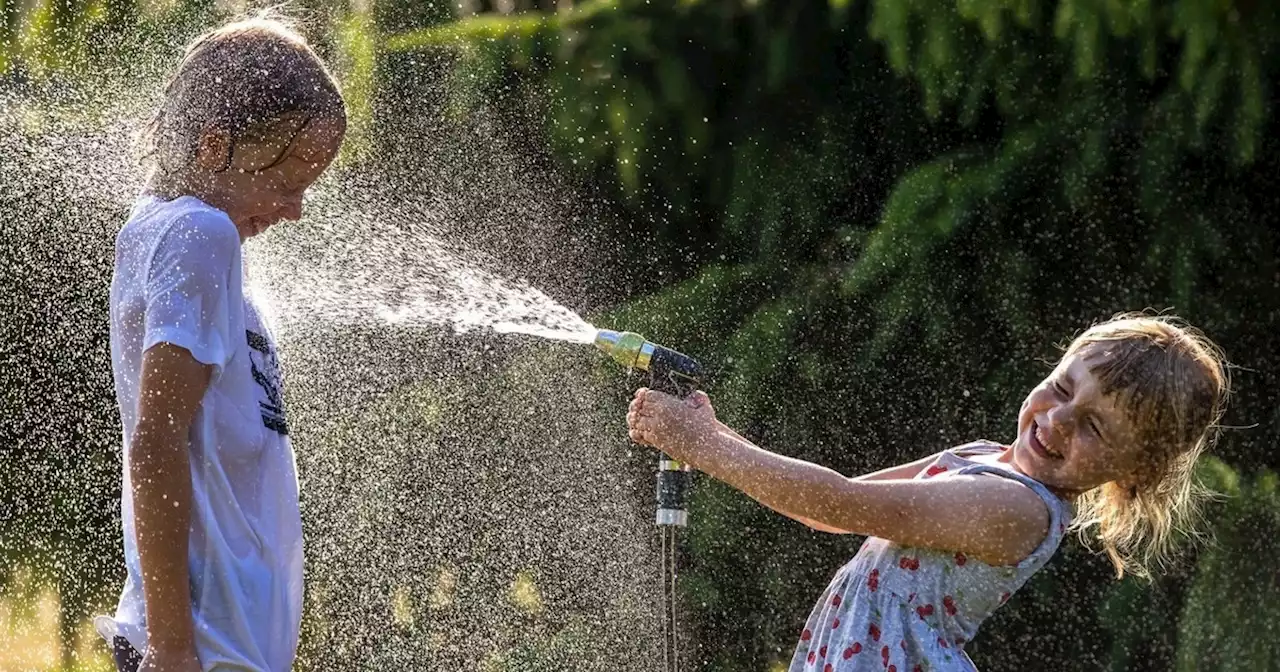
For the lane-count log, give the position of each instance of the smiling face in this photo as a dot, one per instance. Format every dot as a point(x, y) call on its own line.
point(249, 119)
point(259, 179)
point(1133, 403)
point(1074, 434)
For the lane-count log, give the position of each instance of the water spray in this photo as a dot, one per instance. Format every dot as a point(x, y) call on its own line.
point(677, 374)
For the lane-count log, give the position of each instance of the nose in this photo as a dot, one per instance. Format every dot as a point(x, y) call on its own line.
point(1062, 419)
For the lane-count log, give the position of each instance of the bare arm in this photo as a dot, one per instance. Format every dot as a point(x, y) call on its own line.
point(900, 472)
point(172, 386)
point(994, 519)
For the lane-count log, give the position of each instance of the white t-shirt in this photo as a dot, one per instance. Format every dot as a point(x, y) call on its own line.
point(179, 279)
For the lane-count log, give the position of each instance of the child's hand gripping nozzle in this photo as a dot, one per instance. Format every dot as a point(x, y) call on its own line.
point(671, 372)
point(677, 374)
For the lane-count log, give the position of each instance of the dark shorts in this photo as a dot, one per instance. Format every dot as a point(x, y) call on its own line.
point(127, 659)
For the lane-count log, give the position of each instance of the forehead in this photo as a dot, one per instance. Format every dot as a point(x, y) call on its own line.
point(318, 141)
point(293, 144)
point(1081, 368)
point(313, 147)
point(1121, 412)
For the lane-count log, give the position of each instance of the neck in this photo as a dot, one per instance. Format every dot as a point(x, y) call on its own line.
point(1063, 493)
point(170, 187)
point(175, 186)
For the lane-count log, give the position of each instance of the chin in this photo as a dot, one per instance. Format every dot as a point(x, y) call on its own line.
point(1026, 460)
point(1030, 465)
point(255, 227)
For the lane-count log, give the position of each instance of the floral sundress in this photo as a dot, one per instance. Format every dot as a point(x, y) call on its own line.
point(900, 609)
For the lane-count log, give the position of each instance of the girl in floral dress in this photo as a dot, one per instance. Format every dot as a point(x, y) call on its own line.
point(1106, 443)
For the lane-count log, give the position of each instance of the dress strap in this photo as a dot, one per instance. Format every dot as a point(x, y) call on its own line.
point(1060, 513)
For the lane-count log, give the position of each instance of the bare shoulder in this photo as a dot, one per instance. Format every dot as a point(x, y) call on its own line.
point(1020, 515)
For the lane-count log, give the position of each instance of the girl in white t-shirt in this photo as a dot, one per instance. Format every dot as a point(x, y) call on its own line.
point(212, 532)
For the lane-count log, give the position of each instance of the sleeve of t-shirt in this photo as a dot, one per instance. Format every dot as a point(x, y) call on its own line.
point(188, 288)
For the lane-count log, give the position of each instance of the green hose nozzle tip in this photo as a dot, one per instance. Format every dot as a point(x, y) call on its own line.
point(624, 347)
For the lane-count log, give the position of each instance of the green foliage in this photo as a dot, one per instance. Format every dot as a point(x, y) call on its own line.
point(689, 129)
point(484, 521)
point(1142, 618)
point(1073, 120)
point(672, 121)
point(85, 39)
point(574, 642)
point(832, 195)
point(1204, 57)
point(46, 34)
point(1233, 603)
point(1142, 621)
point(356, 37)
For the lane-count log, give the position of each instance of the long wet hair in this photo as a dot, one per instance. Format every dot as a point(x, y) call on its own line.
point(239, 78)
point(1172, 382)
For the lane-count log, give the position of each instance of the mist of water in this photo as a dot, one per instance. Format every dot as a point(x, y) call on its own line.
point(463, 501)
point(347, 263)
point(356, 268)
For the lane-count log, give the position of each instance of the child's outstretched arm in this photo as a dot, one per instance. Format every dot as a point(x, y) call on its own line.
point(996, 520)
point(901, 471)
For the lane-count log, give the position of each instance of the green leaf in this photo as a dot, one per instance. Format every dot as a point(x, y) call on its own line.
point(1235, 594)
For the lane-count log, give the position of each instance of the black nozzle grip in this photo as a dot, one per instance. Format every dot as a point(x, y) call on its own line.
point(673, 372)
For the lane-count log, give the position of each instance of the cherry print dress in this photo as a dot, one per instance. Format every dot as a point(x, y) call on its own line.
point(900, 609)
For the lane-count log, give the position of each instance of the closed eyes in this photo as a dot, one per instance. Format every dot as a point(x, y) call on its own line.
point(1094, 424)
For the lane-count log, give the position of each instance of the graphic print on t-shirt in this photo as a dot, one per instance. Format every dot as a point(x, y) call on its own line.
point(267, 375)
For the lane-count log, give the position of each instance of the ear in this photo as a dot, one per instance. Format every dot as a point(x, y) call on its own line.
point(1129, 486)
point(1133, 481)
point(213, 150)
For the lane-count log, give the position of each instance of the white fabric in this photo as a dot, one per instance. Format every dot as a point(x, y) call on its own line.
point(179, 279)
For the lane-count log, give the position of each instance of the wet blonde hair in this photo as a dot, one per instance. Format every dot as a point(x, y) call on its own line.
point(1172, 383)
point(240, 78)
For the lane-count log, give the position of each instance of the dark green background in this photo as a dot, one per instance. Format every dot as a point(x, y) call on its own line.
point(876, 220)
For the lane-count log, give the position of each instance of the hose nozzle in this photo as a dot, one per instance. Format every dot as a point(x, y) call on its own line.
point(671, 372)
point(626, 348)
point(664, 365)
